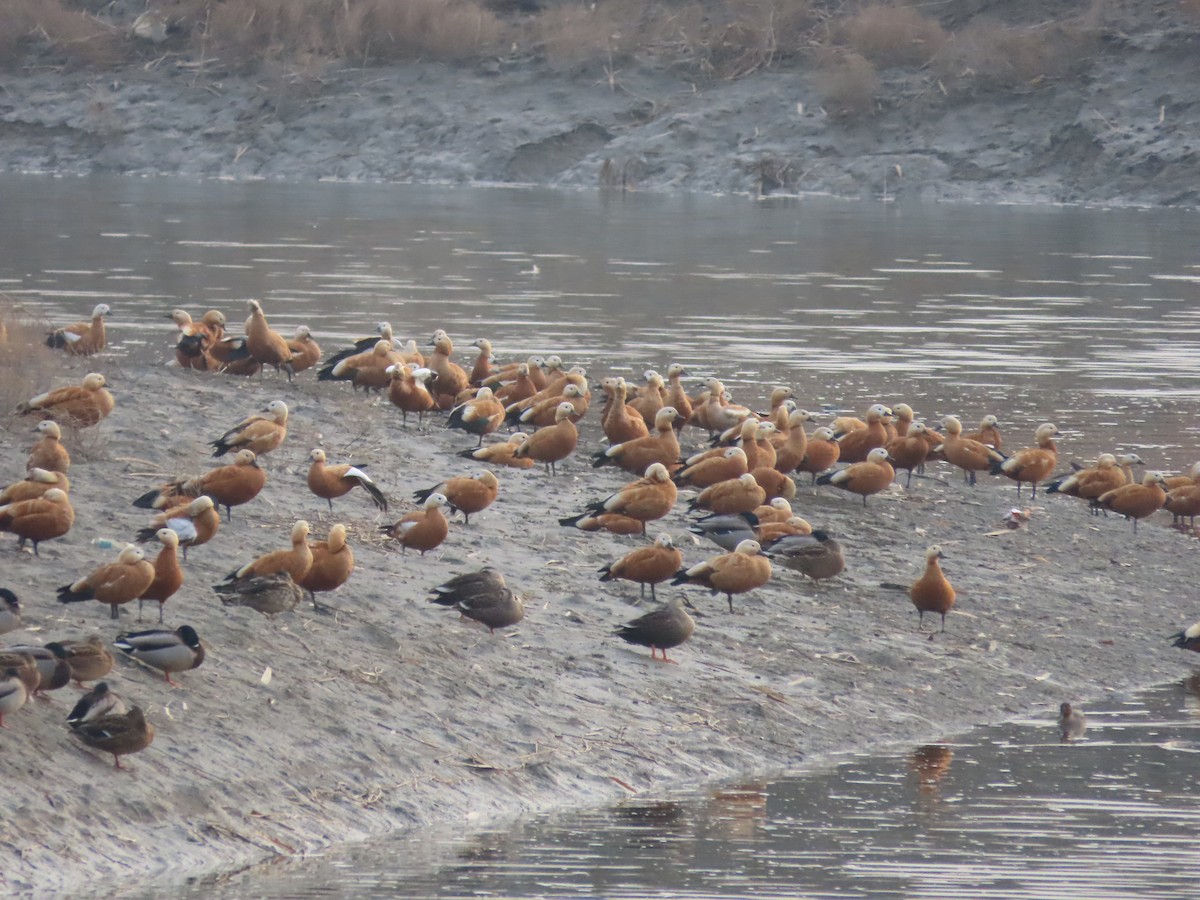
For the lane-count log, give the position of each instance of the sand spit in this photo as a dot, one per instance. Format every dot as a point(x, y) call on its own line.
point(392, 713)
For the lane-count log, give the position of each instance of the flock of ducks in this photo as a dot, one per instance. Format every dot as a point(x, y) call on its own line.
point(739, 489)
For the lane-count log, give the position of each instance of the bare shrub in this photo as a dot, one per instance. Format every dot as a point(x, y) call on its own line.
point(27, 367)
point(579, 34)
point(848, 85)
point(410, 29)
point(65, 33)
point(990, 55)
point(890, 35)
point(246, 33)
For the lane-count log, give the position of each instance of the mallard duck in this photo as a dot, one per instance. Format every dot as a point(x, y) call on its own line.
point(482, 596)
point(13, 693)
point(117, 733)
point(100, 701)
point(269, 594)
point(167, 651)
point(10, 611)
point(816, 555)
point(51, 661)
point(88, 660)
point(1071, 723)
point(661, 629)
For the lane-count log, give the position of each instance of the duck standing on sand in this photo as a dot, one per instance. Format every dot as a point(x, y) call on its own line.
point(115, 583)
point(647, 565)
point(932, 592)
point(745, 569)
point(660, 629)
point(422, 529)
point(167, 651)
point(482, 596)
point(100, 701)
point(118, 734)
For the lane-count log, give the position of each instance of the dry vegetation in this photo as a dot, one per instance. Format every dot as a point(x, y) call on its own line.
point(26, 368)
point(847, 43)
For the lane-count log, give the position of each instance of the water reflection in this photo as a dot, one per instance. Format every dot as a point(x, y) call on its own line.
point(1004, 812)
point(1087, 317)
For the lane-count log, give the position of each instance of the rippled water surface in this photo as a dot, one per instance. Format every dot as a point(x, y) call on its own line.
point(1085, 317)
point(1004, 812)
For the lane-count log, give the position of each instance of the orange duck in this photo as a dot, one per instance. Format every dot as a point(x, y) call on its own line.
point(554, 443)
point(635, 455)
point(258, 433)
point(295, 561)
point(1032, 464)
point(909, 452)
point(483, 362)
point(82, 406)
point(745, 569)
point(544, 412)
point(422, 529)
point(449, 378)
point(266, 345)
point(467, 495)
point(732, 463)
point(774, 483)
point(1136, 501)
point(821, 453)
point(932, 592)
point(970, 456)
point(48, 453)
point(35, 484)
point(864, 478)
point(408, 393)
point(501, 454)
point(619, 422)
point(677, 397)
point(196, 522)
point(364, 369)
point(1090, 483)
point(737, 495)
point(647, 565)
point(116, 583)
point(82, 338)
point(792, 445)
point(1191, 476)
point(228, 486)
point(645, 500)
point(651, 398)
point(860, 442)
point(306, 352)
point(328, 482)
point(332, 562)
point(49, 516)
point(988, 433)
point(481, 416)
point(168, 576)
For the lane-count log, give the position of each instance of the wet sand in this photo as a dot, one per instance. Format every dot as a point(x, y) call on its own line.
point(392, 713)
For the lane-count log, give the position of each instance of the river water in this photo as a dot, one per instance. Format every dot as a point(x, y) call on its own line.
point(1084, 317)
point(999, 813)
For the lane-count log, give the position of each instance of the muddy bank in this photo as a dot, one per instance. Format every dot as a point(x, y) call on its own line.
point(1119, 134)
point(391, 713)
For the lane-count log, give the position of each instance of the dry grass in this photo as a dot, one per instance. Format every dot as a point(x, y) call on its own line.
point(390, 30)
point(890, 35)
point(65, 33)
point(989, 55)
point(578, 34)
point(27, 367)
point(848, 86)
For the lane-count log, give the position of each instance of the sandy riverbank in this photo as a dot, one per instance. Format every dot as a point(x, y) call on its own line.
point(392, 713)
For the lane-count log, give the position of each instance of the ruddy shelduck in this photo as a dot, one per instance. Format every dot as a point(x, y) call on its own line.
point(168, 575)
point(745, 569)
point(49, 516)
point(767, 532)
point(408, 393)
point(364, 369)
point(49, 452)
point(636, 455)
point(969, 455)
point(449, 378)
point(792, 447)
point(259, 433)
point(864, 478)
point(909, 451)
point(774, 483)
point(264, 343)
point(988, 433)
point(649, 498)
point(422, 529)
point(620, 423)
point(501, 454)
point(81, 406)
point(115, 583)
point(35, 484)
point(228, 486)
point(296, 560)
point(306, 352)
point(1090, 483)
point(732, 463)
point(196, 522)
point(82, 338)
point(821, 453)
point(1033, 464)
point(332, 563)
point(328, 482)
point(737, 495)
point(647, 565)
point(465, 494)
point(554, 443)
point(932, 592)
point(481, 416)
point(1136, 501)
point(857, 444)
